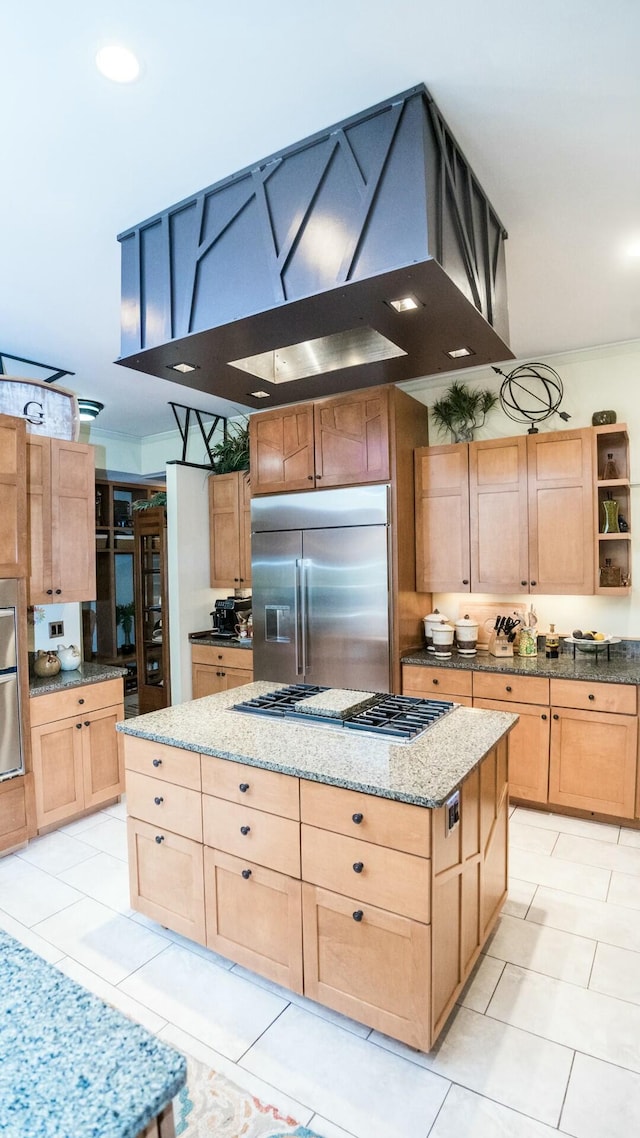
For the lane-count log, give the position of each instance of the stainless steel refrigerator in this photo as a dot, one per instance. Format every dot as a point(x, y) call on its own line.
point(321, 589)
point(11, 760)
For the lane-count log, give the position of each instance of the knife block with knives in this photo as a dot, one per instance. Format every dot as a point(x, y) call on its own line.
point(503, 636)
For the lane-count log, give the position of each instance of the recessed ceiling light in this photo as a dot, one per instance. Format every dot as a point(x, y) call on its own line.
point(117, 63)
point(182, 367)
point(456, 353)
point(404, 304)
point(259, 394)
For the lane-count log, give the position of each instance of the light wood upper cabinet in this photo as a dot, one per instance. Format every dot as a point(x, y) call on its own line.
point(498, 515)
point(339, 441)
point(13, 505)
point(561, 539)
point(230, 530)
point(281, 449)
point(528, 525)
point(61, 508)
point(442, 519)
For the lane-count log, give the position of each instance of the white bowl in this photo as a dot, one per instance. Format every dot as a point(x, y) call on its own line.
point(591, 645)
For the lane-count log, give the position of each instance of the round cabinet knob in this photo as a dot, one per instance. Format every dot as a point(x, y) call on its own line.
point(357, 818)
point(508, 687)
point(87, 723)
point(358, 866)
point(465, 580)
point(78, 727)
point(58, 591)
point(523, 583)
point(80, 701)
point(236, 578)
point(220, 656)
point(310, 477)
point(534, 583)
point(245, 830)
point(157, 762)
point(436, 682)
point(246, 873)
point(556, 717)
point(49, 592)
point(318, 477)
point(358, 915)
point(159, 838)
point(158, 801)
point(591, 696)
point(543, 717)
point(244, 786)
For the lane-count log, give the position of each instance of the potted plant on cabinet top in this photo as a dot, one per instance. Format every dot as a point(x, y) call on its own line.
point(124, 619)
point(461, 410)
point(232, 452)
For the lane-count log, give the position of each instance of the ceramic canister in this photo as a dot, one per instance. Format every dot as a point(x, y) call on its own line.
point(69, 658)
point(442, 635)
point(466, 635)
point(434, 617)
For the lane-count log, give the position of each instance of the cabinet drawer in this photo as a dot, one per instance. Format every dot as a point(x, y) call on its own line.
point(254, 917)
point(229, 657)
point(399, 882)
point(166, 879)
point(164, 804)
point(252, 786)
point(520, 689)
point(427, 681)
point(63, 704)
point(253, 834)
point(589, 696)
point(397, 825)
point(171, 764)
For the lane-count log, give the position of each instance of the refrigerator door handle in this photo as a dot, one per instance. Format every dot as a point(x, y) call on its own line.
point(297, 617)
point(304, 615)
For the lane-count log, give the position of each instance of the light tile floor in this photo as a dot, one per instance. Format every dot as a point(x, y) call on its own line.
point(545, 1039)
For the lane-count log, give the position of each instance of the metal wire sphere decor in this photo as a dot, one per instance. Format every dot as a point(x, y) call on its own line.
point(531, 393)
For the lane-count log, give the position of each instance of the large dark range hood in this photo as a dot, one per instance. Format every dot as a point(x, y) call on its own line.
point(291, 267)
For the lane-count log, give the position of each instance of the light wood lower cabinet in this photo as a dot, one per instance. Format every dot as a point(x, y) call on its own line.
point(351, 905)
point(77, 758)
point(16, 812)
point(216, 669)
point(575, 746)
point(254, 917)
point(166, 879)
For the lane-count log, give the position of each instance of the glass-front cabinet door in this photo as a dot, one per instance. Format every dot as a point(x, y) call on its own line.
point(152, 632)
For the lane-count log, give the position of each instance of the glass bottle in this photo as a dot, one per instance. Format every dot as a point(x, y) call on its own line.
point(610, 574)
point(552, 644)
point(610, 469)
point(610, 510)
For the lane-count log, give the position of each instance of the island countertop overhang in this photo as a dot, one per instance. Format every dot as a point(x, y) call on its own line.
point(423, 772)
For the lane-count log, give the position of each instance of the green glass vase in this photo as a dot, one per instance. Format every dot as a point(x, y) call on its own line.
point(610, 510)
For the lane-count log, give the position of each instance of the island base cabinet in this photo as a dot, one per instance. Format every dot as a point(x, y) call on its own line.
point(166, 879)
point(254, 917)
point(593, 761)
point(367, 963)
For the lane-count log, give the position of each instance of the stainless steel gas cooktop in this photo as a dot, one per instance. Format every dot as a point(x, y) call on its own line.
point(398, 717)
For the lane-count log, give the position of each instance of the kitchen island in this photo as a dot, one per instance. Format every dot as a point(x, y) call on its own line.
point(365, 873)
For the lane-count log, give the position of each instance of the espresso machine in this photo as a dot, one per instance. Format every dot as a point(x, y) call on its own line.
point(225, 614)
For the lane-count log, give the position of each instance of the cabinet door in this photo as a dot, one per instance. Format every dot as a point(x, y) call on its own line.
point(352, 438)
point(13, 502)
point(498, 515)
point(39, 517)
point(245, 529)
point(207, 680)
point(56, 750)
point(281, 450)
point(442, 519)
point(254, 917)
point(224, 530)
point(16, 825)
point(593, 761)
point(166, 880)
point(528, 749)
point(73, 562)
point(379, 976)
point(561, 540)
point(103, 761)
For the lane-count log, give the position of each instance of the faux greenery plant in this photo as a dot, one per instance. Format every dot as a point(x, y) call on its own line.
point(124, 617)
point(232, 452)
point(462, 409)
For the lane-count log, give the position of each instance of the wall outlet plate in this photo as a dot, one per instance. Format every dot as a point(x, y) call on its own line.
point(56, 628)
point(452, 812)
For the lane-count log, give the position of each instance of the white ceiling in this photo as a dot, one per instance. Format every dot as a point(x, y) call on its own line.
point(543, 98)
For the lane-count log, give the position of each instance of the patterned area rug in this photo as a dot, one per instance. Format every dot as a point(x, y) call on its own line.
point(211, 1106)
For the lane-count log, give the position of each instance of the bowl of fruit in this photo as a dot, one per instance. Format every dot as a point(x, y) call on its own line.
point(590, 641)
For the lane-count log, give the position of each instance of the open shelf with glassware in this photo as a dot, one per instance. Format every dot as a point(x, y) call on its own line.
point(612, 510)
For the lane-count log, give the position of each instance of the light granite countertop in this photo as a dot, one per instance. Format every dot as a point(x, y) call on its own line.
point(620, 669)
point(85, 674)
point(72, 1065)
point(220, 641)
point(424, 771)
